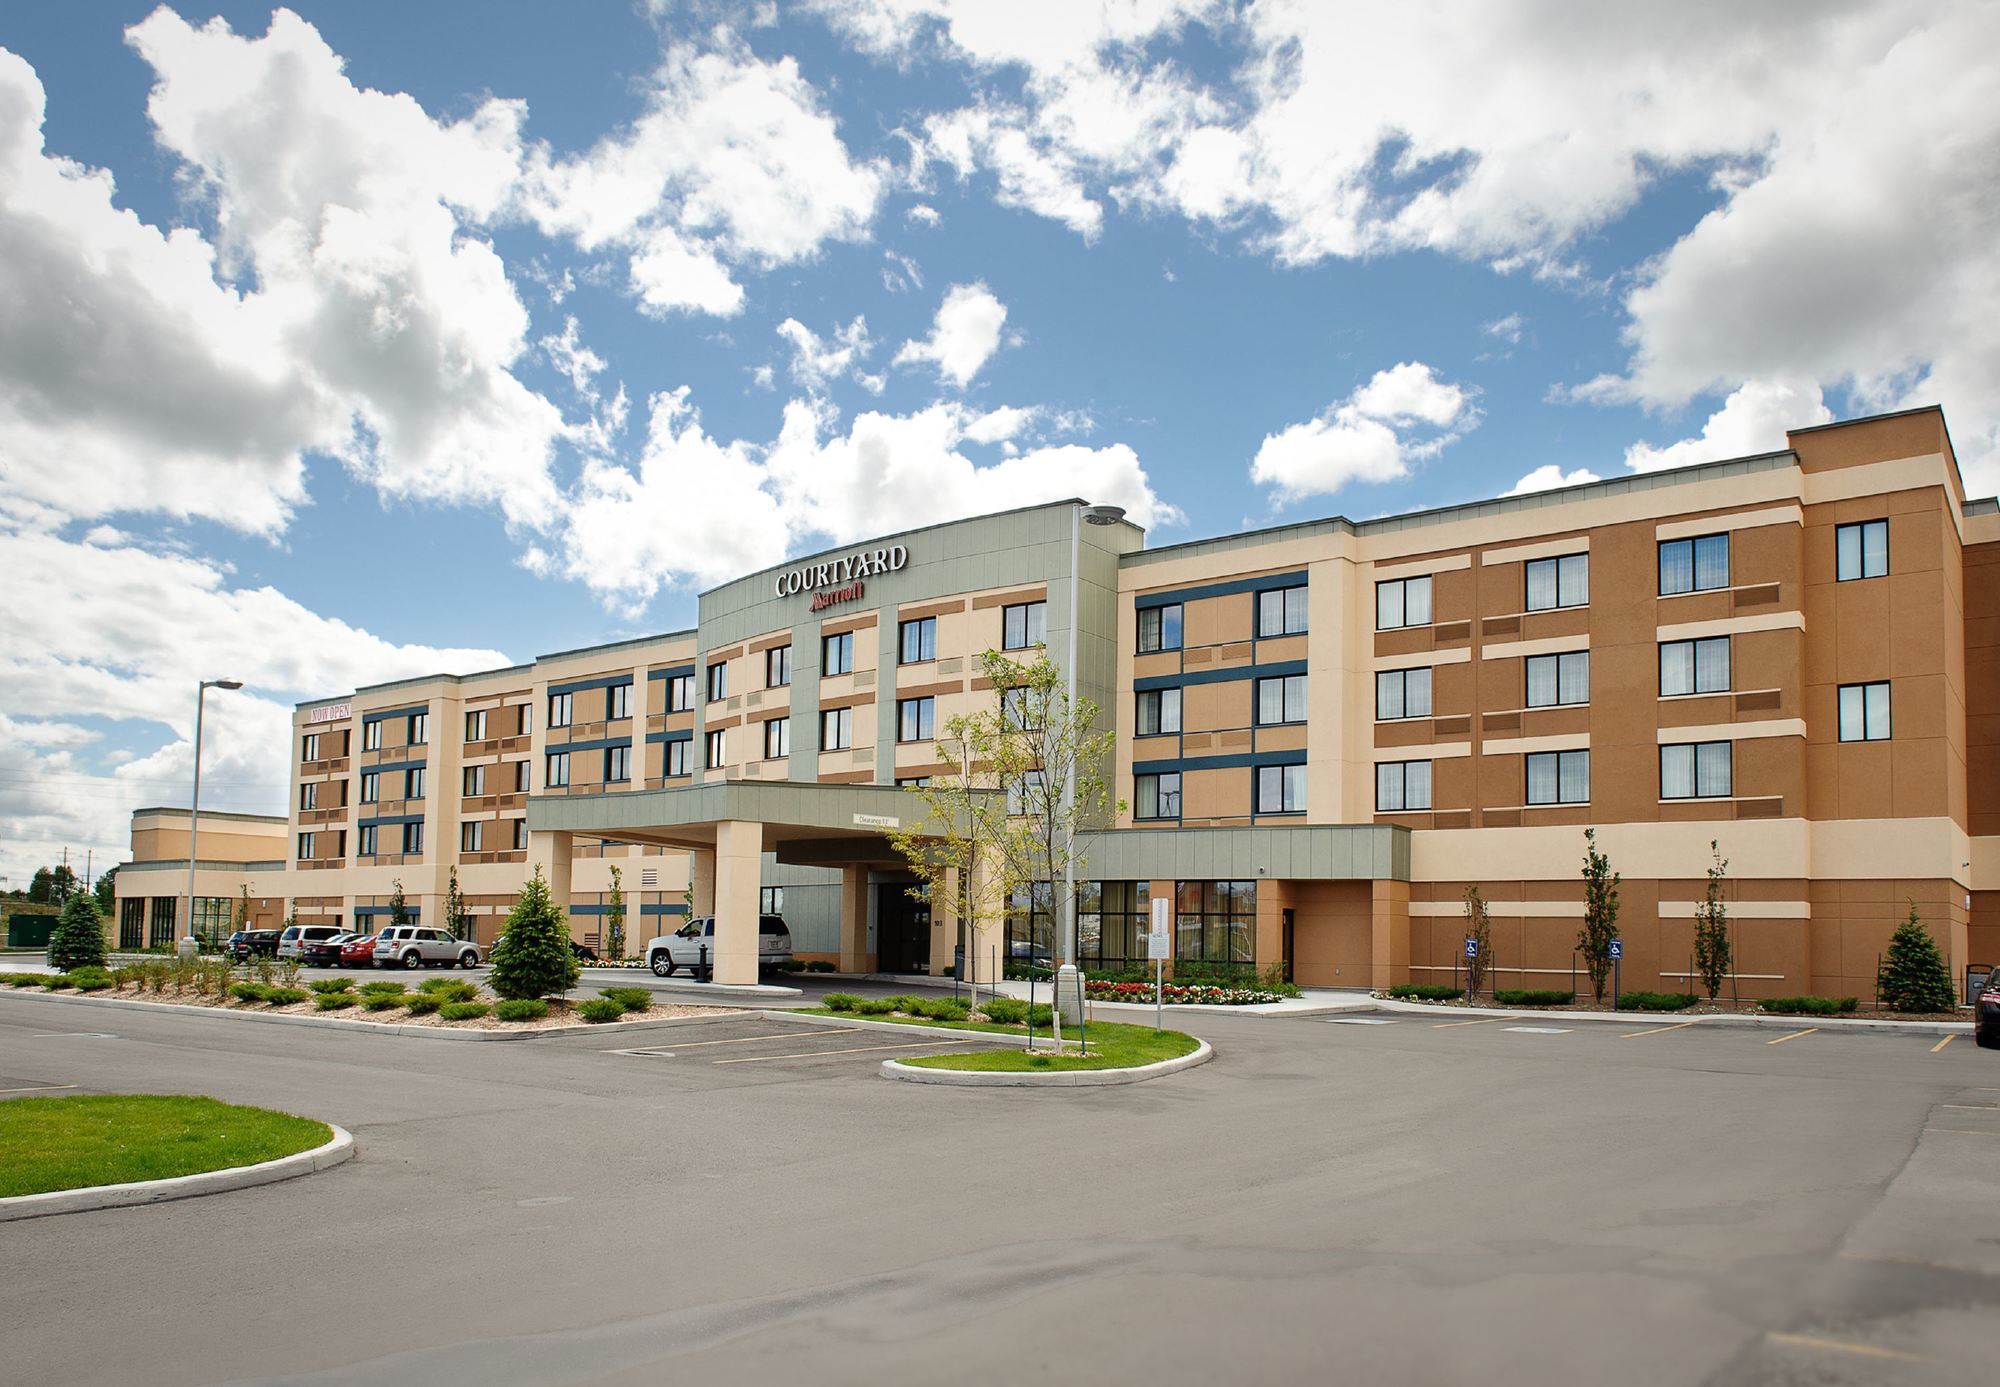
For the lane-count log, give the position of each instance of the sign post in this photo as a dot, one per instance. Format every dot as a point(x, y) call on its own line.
point(1617, 954)
point(1158, 941)
point(1471, 953)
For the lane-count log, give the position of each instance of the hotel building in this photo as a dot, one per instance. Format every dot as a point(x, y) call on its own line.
point(1325, 732)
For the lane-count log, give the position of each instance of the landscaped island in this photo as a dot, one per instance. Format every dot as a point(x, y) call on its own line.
point(1113, 1045)
point(87, 1140)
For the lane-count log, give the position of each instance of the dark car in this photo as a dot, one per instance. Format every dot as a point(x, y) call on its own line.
point(324, 953)
point(583, 953)
point(246, 944)
point(1986, 1013)
point(358, 951)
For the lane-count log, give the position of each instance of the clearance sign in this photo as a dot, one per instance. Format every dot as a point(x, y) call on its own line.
point(840, 580)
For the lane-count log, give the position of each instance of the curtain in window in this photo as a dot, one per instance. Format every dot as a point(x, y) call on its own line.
point(1389, 786)
point(1711, 665)
point(1574, 786)
point(1574, 575)
point(1417, 693)
point(1389, 694)
point(1417, 602)
point(1270, 700)
point(1847, 552)
point(1388, 606)
point(1712, 769)
point(1676, 566)
point(1573, 684)
point(1677, 772)
point(1851, 713)
point(1875, 701)
point(1711, 562)
point(1875, 548)
point(1541, 584)
point(1542, 682)
point(1542, 777)
point(1677, 667)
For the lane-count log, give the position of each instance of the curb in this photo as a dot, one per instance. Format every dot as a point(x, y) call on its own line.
point(373, 1027)
point(338, 1148)
point(951, 1032)
point(1669, 1018)
point(1073, 1078)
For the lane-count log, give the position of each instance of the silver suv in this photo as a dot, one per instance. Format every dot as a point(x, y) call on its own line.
point(692, 946)
point(297, 936)
point(415, 946)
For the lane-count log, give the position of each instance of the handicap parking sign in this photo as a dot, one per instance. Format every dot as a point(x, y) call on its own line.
point(1472, 948)
point(1618, 948)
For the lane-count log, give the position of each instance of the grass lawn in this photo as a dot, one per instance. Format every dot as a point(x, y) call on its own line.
point(111, 1139)
point(1113, 1045)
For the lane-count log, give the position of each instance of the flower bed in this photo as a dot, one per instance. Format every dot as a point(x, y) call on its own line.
point(1178, 994)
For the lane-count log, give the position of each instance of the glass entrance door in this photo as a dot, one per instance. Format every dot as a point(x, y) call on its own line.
point(902, 930)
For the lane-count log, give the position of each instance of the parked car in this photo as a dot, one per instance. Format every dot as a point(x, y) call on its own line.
point(417, 946)
point(582, 953)
point(358, 951)
point(693, 944)
point(297, 937)
point(1986, 1013)
point(324, 953)
point(247, 944)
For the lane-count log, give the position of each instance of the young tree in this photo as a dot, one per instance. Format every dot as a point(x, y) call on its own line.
point(107, 890)
point(1712, 952)
point(457, 916)
point(532, 957)
point(42, 887)
point(1479, 928)
point(1914, 975)
point(399, 909)
point(78, 940)
point(240, 917)
point(1600, 914)
point(614, 918)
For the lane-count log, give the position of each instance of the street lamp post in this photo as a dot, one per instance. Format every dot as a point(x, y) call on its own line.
point(189, 945)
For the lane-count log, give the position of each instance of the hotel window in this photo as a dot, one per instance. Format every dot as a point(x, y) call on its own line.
point(1215, 921)
point(305, 847)
point(1694, 565)
point(475, 780)
point(1559, 777)
point(836, 729)
point(777, 667)
point(915, 719)
point(679, 756)
point(910, 782)
point(718, 680)
point(1402, 693)
point(558, 771)
point(472, 835)
point(1159, 711)
point(1281, 700)
point(520, 777)
point(367, 840)
point(919, 640)
point(475, 726)
point(1281, 611)
point(309, 747)
point(520, 835)
point(1695, 770)
point(1024, 625)
point(1157, 796)
point(617, 764)
point(561, 707)
point(680, 693)
point(1694, 667)
point(413, 839)
point(1561, 582)
point(1864, 712)
point(1558, 680)
point(1861, 551)
point(777, 739)
point(371, 735)
point(1402, 602)
point(836, 654)
point(1281, 789)
point(618, 703)
point(1027, 793)
point(309, 795)
point(419, 729)
point(371, 787)
point(718, 749)
point(770, 900)
point(1159, 628)
point(1402, 785)
point(413, 783)
point(1020, 711)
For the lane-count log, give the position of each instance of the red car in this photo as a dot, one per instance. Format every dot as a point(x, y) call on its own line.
point(358, 952)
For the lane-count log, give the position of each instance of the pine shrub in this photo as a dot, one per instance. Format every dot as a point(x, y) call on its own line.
point(1532, 997)
point(463, 1011)
point(1426, 991)
point(532, 957)
point(522, 1009)
point(598, 1010)
point(630, 998)
point(1914, 975)
point(78, 940)
point(1006, 1011)
point(835, 1001)
point(335, 1001)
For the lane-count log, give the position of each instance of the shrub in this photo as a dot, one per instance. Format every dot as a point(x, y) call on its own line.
point(1007, 1011)
point(943, 1009)
point(1532, 997)
point(905, 1003)
point(373, 989)
point(250, 992)
point(598, 1010)
point(1042, 1017)
point(820, 965)
point(27, 979)
point(835, 1001)
point(630, 998)
point(285, 996)
point(78, 938)
point(522, 1009)
point(383, 1001)
point(334, 1001)
point(1425, 991)
point(90, 979)
point(452, 989)
point(423, 1003)
point(1657, 1001)
point(532, 956)
point(463, 1011)
point(56, 982)
point(1811, 1006)
point(874, 1006)
point(1914, 975)
point(328, 986)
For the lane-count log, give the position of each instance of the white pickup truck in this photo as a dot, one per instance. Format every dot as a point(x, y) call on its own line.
point(692, 946)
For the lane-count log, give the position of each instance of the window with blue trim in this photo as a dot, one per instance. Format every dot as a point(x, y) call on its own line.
point(1159, 628)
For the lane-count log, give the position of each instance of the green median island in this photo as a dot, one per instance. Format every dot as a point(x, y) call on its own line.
point(1113, 1044)
point(113, 1139)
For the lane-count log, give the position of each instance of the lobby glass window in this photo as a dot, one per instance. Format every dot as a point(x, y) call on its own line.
point(413, 783)
point(617, 764)
point(1694, 565)
point(836, 729)
point(413, 839)
point(1558, 680)
point(419, 729)
point(562, 708)
point(309, 795)
point(1695, 770)
point(1281, 611)
point(770, 900)
point(915, 719)
point(1215, 922)
point(1402, 693)
point(618, 702)
point(305, 847)
point(1159, 711)
point(1112, 918)
point(1157, 796)
point(777, 738)
point(718, 750)
point(371, 787)
point(1159, 628)
point(309, 747)
point(1861, 550)
point(1031, 924)
point(1281, 700)
point(680, 693)
point(1020, 710)
point(679, 756)
point(212, 915)
point(558, 771)
point(1559, 777)
point(1694, 667)
point(777, 667)
point(1402, 602)
point(1558, 582)
point(1281, 789)
point(1864, 712)
point(1402, 786)
point(371, 735)
point(836, 654)
point(520, 835)
point(718, 680)
point(475, 780)
point(163, 921)
point(472, 836)
point(918, 640)
point(1024, 625)
point(367, 848)
point(132, 923)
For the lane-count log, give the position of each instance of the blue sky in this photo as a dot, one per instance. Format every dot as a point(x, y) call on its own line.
point(417, 337)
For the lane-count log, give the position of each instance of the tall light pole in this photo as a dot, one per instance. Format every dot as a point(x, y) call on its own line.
point(189, 945)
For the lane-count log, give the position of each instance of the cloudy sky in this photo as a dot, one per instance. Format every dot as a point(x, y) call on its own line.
point(352, 342)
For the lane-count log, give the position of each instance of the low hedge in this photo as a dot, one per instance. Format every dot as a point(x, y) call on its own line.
point(384, 1001)
point(1426, 991)
point(382, 987)
point(630, 998)
point(599, 1010)
point(250, 992)
point(1656, 1001)
point(463, 1011)
point(285, 996)
point(334, 1001)
point(328, 986)
point(1811, 1006)
point(841, 1001)
point(423, 1003)
point(1532, 997)
point(56, 982)
point(820, 965)
point(90, 979)
point(522, 1009)
point(450, 989)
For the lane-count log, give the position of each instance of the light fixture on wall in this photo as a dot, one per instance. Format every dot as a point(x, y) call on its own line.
point(1103, 515)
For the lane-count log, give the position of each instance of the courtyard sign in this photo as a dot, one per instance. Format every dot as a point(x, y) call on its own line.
point(842, 576)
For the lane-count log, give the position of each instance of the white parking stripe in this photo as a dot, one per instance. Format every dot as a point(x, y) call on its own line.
point(743, 1039)
point(858, 1050)
point(1358, 1021)
point(1542, 1030)
point(37, 1088)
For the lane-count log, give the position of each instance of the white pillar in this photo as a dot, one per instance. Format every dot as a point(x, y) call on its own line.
point(552, 853)
point(739, 868)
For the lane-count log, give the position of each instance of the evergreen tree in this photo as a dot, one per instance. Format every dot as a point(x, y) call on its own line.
point(457, 917)
point(1914, 975)
point(532, 957)
point(1712, 951)
point(1600, 914)
point(78, 940)
point(614, 918)
point(399, 908)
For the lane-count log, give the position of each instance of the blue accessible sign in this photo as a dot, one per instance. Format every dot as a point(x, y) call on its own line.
point(1618, 948)
point(1472, 948)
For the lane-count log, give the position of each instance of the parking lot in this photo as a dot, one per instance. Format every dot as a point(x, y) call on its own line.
point(1418, 1201)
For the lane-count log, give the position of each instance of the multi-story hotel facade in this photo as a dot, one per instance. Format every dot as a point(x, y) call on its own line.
point(1325, 732)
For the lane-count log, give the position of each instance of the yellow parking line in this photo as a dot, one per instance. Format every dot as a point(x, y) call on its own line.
point(1841, 1346)
point(1657, 1030)
point(1476, 1021)
point(1793, 1036)
point(1942, 1043)
point(858, 1050)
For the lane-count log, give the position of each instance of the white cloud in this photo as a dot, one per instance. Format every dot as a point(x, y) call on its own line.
point(817, 363)
point(1752, 420)
point(1398, 416)
point(1507, 329)
point(1031, 174)
point(923, 214)
point(1548, 477)
point(963, 336)
point(900, 273)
